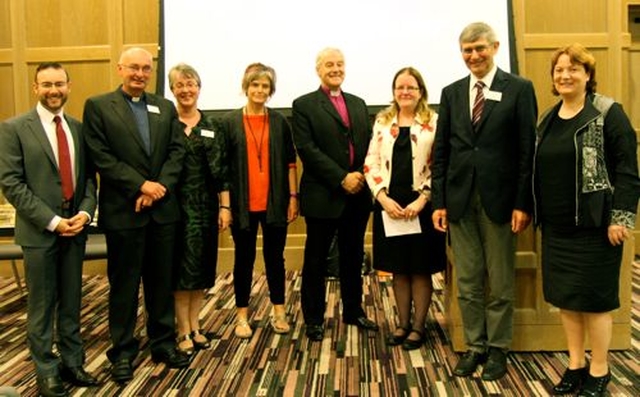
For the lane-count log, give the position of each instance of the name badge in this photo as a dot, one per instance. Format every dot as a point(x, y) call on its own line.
point(493, 95)
point(153, 109)
point(207, 133)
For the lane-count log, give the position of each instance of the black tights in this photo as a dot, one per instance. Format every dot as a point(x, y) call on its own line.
point(412, 291)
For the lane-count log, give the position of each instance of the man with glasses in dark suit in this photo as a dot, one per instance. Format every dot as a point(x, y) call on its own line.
point(135, 142)
point(44, 174)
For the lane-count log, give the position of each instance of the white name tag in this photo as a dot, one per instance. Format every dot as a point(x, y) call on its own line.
point(153, 109)
point(207, 133)
point(493, 95)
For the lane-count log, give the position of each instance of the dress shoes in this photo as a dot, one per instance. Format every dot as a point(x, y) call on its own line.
point(361, 322)
point(496, 365)
point(122, 371)
point(77, 376)
point(51, 386)
point(315, 332)
point(594, 386)
point(468, 363)
point(173, 358)
point(571, 380)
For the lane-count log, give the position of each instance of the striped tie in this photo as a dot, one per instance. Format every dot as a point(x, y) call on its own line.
point(478, 104)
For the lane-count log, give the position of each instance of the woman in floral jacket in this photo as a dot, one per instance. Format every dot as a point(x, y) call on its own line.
point(398, 174)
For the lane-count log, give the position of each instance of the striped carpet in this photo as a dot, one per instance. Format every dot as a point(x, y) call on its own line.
point(348, 362)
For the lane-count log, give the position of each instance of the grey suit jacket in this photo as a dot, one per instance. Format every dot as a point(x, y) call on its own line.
point(119, 156)
point(31, 182)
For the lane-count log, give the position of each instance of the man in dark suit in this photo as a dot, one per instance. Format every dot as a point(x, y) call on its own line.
point(482, 193)
point(44, 175)
point(136, 144)
point(331, 131)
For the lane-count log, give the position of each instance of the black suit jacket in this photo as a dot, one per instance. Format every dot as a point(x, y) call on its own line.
point(322, 141)
point(497, 157)
point(31, 182)
point(118, 153)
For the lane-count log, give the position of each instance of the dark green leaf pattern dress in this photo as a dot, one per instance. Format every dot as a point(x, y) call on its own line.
point(204, 176)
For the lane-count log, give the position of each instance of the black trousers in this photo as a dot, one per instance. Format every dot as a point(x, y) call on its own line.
point(350, 228)
point(274, 239)
point(133, 255)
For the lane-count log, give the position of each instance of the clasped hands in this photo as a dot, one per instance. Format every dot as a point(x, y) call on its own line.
point(150, 193)
point(395, 210)
point(69, 227)
point(353, 182)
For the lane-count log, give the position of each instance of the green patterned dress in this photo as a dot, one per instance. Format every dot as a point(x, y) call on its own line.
point(204, 176)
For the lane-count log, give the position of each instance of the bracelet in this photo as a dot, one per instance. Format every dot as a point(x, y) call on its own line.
point(293, 195)
point(225, 207)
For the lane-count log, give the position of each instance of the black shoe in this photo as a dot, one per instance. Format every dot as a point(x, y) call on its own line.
point(315, 332)
point(413, 344)
point(173, 358)
point(122, 371)
point(571, 380)
point(51, 386)
point(77, 376)
point(468, 363)
point(361, 322)
point(496, 365)
point(594, 386)
point(395, 339)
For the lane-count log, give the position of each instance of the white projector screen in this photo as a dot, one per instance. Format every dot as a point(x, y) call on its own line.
point(378, 37)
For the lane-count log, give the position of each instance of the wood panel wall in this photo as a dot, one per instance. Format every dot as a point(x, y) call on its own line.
point(88, 36)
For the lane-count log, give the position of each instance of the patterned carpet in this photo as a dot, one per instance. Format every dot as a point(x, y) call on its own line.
point(348, 362)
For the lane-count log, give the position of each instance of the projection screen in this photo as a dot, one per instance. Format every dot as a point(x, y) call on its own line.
point(377, 37)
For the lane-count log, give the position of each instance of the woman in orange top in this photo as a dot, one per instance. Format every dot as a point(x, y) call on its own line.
point(263, 177)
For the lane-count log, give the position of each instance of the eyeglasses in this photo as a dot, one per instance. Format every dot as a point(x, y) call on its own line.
point(146, 69)
point(189, 85)
point(47, 85)
point(408, 88)
point(480, 49)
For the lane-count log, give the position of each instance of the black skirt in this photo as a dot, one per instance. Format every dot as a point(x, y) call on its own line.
point(580, 269)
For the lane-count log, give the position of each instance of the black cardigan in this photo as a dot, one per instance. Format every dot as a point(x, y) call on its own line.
point(281, 154)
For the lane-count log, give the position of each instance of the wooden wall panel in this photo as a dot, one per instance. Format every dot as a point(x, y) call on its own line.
point(5, 24)
point(57, 26)
point(565, 16)
point(6, 94)
point(141, 19)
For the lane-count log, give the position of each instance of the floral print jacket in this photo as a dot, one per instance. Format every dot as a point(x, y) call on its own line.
point(377, 164)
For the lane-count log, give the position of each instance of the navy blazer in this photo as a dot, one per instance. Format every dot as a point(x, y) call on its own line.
point(118, 153)
point(322, 141)
point(31, 182)
point(497, 158)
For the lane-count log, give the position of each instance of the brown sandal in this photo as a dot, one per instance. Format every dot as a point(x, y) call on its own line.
point(186, 348)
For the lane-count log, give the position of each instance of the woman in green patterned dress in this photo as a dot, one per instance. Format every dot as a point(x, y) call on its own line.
point(203, 193)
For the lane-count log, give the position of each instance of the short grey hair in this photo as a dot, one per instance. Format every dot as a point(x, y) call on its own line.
point(476, 31)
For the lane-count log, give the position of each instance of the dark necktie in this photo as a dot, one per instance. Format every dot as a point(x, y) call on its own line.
point(64, 161)
point(478, 104)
